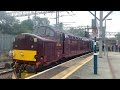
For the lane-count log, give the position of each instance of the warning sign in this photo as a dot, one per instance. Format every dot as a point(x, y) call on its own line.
point(95, 32)
point(94, 28)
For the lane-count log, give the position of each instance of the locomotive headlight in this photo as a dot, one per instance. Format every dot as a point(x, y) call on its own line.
point(21, 53)
point(31, 46)
point(41, 58)
point(11, 53)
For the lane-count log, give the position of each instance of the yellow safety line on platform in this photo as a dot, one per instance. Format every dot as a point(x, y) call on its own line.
point(83, 63)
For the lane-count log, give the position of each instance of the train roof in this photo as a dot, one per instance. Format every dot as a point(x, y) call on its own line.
point(43, 39)
point(61, 31)
point(67, 33)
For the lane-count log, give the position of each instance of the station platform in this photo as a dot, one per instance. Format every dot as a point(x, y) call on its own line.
point(108, 68)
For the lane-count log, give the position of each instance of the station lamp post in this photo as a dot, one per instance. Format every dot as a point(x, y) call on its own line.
point(105, 35)
point(94, 27)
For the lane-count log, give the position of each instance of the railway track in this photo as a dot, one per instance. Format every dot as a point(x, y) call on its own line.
point(5, 70)
point(6, 74)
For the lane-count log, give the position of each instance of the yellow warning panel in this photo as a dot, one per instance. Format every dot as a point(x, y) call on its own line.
point(26, 55)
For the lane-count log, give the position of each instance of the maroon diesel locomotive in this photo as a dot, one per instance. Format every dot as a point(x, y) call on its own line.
point(32, 51)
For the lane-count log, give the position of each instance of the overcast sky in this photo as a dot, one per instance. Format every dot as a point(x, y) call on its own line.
point(83, 18)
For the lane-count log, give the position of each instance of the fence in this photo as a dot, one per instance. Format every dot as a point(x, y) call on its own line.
point(6, 42)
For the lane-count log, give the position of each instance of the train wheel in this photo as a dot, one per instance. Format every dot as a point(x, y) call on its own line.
point(30, 69)
point(40, 68)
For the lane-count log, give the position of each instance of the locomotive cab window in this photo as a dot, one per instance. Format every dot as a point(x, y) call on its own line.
point(45, 31)
point(41, 31)
point(49, 32)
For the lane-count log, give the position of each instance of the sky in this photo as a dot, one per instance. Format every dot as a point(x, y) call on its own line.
point(83, 18)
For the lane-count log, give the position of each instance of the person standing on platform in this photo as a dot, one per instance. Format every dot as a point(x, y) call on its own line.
point(112, 48)
point(119, 48)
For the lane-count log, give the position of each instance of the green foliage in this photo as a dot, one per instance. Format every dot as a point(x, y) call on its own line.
point(41, 21)
point(60, 26)
point(26, 26)
point(6, 22)
point(118, 37)
point(10, 25)
point(77, 32)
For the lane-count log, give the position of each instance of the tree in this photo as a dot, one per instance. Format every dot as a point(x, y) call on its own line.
point(77, 32)
point(27, 26)
point(10, 25)
point(60, 26)
point(118, 37)
point(17, 29)
point(6, 22)
point(40, 21)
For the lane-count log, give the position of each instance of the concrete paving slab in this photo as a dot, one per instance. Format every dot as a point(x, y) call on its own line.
point(104, 69)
